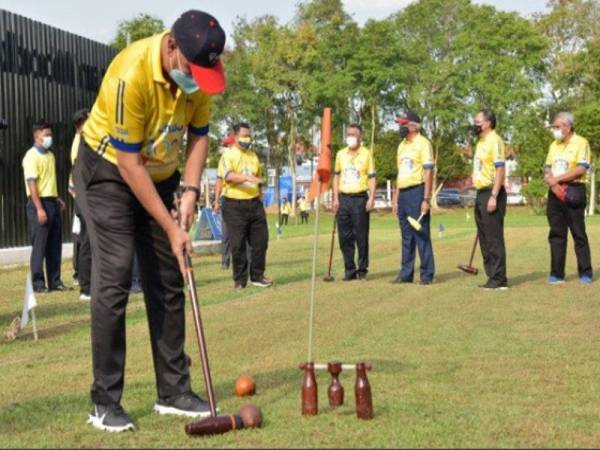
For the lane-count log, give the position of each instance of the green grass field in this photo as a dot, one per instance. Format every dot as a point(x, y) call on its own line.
point(454, 366)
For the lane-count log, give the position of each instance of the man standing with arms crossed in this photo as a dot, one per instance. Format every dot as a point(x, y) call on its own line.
point(354, 186)
point(412, 197)
point(490, 203)
point(154, 91)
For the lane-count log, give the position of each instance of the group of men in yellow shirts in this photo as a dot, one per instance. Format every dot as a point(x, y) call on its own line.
point(125, 175)
point(354, 189)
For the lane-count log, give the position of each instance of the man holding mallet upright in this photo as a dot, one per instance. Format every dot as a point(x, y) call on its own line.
point(154, 91)
point(490, 203)
point(412, 196)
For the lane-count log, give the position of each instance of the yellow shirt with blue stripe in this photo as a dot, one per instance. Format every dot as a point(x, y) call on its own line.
point(354, 167)
point(39, 165)
point(490, 154)
point(564, 157)
point(136, 111)
point(413, 158)
point(244, 162)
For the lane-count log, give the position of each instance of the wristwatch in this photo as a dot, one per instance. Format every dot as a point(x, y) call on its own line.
point(194, 189)
point(427, 199)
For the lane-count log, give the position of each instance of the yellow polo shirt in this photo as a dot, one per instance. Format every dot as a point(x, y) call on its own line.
point(74, 151)
point(354, 169)
point(303, 204)
point(413, 158)
point(286, 208)
point(243, 162)
point(40, 166)
point(563, 158)
point(136, 112)
point(490, 153)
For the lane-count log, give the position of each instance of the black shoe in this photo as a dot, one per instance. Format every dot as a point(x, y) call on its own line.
point(361, 277)
point(188, 404)
point(493, 286)
point(61, 287)
point(239, 286)
point(350, 277)
point(112, 418)
point(425, 282)
point(40, 290)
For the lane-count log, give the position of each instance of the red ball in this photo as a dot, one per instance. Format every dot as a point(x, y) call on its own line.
point(245, 385)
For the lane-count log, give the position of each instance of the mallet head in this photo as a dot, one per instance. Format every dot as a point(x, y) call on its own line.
point(328, 278)
point(468, 269)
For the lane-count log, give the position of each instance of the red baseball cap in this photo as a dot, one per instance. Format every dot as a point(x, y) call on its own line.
point(201, 40)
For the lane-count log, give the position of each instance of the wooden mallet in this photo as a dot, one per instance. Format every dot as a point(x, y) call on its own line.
point(468, 268)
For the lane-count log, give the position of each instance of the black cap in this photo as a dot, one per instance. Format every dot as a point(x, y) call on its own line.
point(201, 40)
point(407, 117)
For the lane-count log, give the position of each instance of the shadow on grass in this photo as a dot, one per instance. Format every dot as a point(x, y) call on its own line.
point(48, 310)
point(391, 274)
point(526, 278)
point(449, 276)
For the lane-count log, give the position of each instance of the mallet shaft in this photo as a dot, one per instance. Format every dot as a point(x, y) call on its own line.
point(344, 366)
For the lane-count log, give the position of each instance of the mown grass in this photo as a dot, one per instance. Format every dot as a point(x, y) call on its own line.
point(454, 366)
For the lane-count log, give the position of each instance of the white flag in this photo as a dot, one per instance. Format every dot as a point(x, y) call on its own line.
point(29, 301)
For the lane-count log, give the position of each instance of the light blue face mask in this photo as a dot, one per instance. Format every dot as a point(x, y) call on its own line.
point(185, 82)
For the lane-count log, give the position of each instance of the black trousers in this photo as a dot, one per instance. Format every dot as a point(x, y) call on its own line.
point(303, 217)
point(490, 229)
point(82, 255)
point(246, 224)
point(353, 226)
point(117, 224)
point(562, 218)
point(284, 219)
point(46, 243)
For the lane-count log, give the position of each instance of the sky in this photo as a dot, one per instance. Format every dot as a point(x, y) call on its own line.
point(98, 20)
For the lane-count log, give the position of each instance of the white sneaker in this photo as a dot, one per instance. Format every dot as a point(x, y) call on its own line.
point(85, 297)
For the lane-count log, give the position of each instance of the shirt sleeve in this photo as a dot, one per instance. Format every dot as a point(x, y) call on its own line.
point(125, 107)
point(499, 154)
point(199, 123)
point(220, 169)
point(30, 168)
point(427, 155)
point(371, 170)
point(583, 155)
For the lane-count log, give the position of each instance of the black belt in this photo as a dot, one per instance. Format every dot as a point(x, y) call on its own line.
point(240, 200)
point(358, 194)
point(409, 188)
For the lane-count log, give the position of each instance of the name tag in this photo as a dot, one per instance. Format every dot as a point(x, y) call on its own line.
point(351, 177)
point(560, 167)
point(407, 166)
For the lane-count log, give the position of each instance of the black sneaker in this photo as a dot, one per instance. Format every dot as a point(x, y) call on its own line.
point(492, 286)
point(111, 418)
point(40, 290)
point(188, 404)
point(426, 282)
point(61, 287)
point(361, 276)
point(350, 277)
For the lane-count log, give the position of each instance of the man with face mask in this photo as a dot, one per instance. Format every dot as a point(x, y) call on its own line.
point(43, 210)
point(354, 184)
point(243, 210)
point(412, 197)
point(490, 203)
point(126, 173)
point(565, 174)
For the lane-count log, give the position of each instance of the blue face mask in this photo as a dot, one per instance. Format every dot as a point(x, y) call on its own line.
point(185, 82)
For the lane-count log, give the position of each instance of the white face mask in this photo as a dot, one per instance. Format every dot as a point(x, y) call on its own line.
point(558, 134)
point(352, 141)
point(47, 142)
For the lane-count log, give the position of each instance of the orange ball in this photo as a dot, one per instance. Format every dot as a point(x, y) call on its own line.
point(245, 385)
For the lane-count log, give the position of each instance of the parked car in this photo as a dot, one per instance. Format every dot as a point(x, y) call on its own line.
point(448, 197)
point(467, 197)
point(380, 202)
point(514, 198)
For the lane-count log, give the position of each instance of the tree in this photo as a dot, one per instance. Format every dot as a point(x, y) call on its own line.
point(140, 27)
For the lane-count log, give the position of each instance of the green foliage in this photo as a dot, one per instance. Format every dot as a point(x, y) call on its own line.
point(140, 27)
point(384, 153)
point(536, 194)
